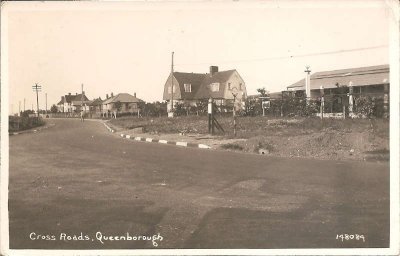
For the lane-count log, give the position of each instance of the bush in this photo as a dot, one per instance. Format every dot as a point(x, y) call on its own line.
point(364, 106)
point(23, 123)
point(232, 146)
point(264, 145)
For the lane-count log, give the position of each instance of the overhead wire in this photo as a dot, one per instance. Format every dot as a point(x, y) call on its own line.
point(285, 57)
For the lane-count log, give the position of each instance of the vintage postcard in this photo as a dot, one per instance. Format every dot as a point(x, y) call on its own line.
point(200, 128)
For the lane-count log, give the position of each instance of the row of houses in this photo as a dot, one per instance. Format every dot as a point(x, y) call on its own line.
point(121, 103)
point(228, 87)
point(223, 86)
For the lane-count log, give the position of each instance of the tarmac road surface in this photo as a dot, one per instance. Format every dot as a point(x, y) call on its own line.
point(76, 181)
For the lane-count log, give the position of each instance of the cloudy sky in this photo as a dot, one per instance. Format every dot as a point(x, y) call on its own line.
point(126, 46)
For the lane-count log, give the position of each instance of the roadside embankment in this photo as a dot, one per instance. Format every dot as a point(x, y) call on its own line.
point(350, 139)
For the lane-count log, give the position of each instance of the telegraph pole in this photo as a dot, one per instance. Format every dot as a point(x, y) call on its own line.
point(37, 88)
point(308, 89)
point(24, 104)
point(46, 103)
point(19, 109)
point(82, 113)
point(82, 97)
point(172, 87)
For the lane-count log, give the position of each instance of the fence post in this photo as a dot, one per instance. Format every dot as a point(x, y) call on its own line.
point(321, 90)
point(351, 99)
point(386, 101)
point(344, 110)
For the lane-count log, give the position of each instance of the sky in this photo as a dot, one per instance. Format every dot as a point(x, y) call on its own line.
point(125, 47)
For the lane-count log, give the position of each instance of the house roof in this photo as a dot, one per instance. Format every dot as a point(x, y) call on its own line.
point(96, 102)
point(218, 77)
point(79, 102)
point(362, 76)
point(69, 98)
point(123, 98)
point(195, 79)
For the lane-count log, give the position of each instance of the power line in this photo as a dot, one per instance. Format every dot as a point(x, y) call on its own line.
point(288, 57)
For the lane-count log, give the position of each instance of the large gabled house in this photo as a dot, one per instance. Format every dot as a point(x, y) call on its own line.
point(190, 88)
point(128, 104)
point(73, 103)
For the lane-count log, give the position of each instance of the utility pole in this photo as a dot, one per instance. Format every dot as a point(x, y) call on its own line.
point(46, 103)
point(19, 109)
point(308, 90)
point(24, 104)
point(82, 98)
point(37, 88)
point(171, 114)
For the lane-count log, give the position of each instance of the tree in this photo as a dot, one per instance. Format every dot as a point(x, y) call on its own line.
point(26, 113)
point(54, 109)
point(118, 105)
point(263, 92)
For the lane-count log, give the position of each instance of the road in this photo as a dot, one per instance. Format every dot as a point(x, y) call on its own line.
point(78, 179)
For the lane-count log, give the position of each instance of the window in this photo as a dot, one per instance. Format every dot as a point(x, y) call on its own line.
point(188, 87)
point(214, 87)
point(240, 86)
point(169, 89)
point(229, 86)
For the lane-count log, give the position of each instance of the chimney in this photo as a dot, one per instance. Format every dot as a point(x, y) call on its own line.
point(107, 96)
point(76, 93)
point(112, 95)
point(83, 92)
point(134, 94)
point(213, 70)
point(69, 94)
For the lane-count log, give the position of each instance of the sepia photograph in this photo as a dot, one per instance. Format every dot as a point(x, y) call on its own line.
point(200, 127)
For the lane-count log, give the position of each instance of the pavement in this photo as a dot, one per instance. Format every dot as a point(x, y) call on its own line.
point(78, 180)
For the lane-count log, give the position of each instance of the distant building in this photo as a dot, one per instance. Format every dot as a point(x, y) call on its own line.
point(73, 103)
point(189, 88)
point(96, 107)
point(365, 80)
point(129, 104)
point(334, 86)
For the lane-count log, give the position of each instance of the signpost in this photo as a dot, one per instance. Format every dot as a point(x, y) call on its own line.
point(234, 93)
point(265, 103)
point(212, 121)
point(171, 113)
point(210, 116)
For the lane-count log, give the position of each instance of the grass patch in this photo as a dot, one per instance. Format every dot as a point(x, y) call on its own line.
point(249, 127)
point(378, 151)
